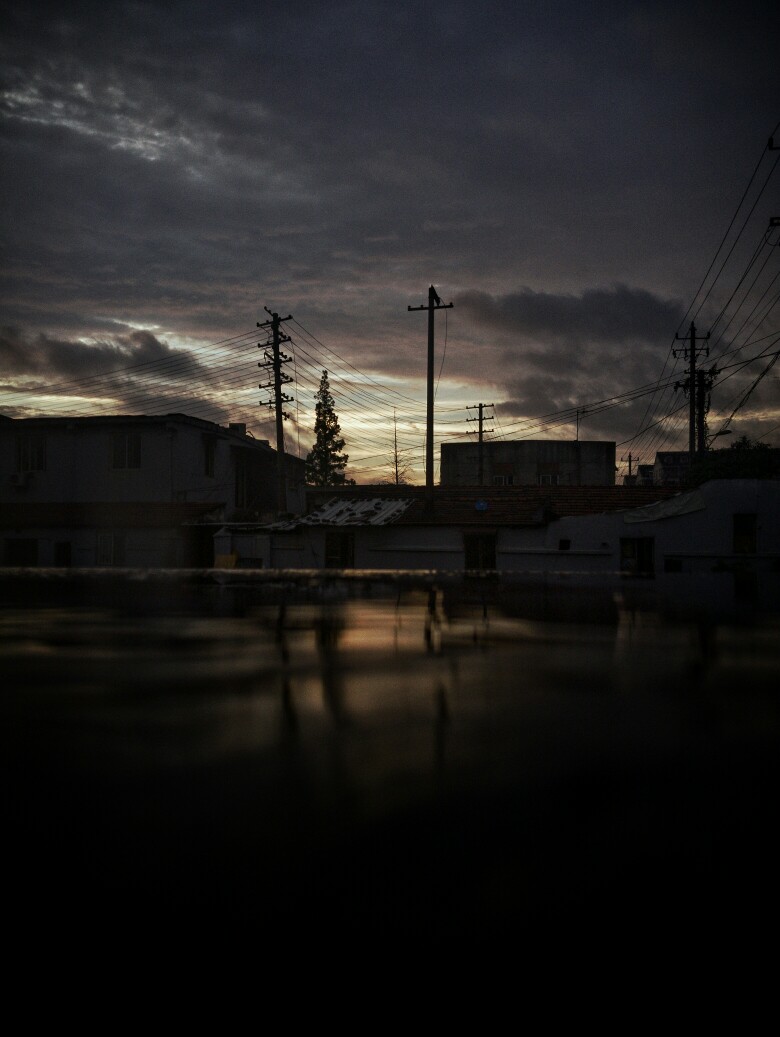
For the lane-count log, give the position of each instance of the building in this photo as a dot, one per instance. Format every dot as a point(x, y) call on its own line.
point(672, 468)
point(131, 490)
point(528, 462)
point(722, 537)
point(505, 528)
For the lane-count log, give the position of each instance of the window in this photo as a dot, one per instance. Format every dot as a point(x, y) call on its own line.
point(637, 555)
point(242, 483)
point(31, 453)
point(339, 549)
point(479, 550)
point(745, 534)
point(111, 549)
point(548, 479)
point(126, 450)
point(564, 545)
point(209, 456)
point(62, 554)
point(503, 480)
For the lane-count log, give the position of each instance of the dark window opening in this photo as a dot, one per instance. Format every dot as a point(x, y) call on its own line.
point(503, 480)
point(637, 555)
point(242, 484)
point(745, 534)
point(673, 565)
point(126, 450)
point(62, 554)
point(339, 549)
point(209, 456)
point(30, 453)
point(564, 545)
point(548, 479)
point(479, 550)
point(111, 549)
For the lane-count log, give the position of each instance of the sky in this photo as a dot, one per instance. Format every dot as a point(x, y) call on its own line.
point(580, 180)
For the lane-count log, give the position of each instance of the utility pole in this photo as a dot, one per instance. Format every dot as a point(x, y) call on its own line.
point(482, 430)
point(273, 364)
point(630, 460)
point(434, 303)
point(704, 383)
point(689, 352)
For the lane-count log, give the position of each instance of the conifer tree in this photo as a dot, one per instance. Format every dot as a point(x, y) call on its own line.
point(325, 462)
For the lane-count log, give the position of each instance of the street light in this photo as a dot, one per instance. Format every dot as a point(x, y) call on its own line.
point(723, 432)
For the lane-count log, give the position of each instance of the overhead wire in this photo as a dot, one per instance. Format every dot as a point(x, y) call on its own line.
point(653, 405)
point(744, 224)
point(186, 376)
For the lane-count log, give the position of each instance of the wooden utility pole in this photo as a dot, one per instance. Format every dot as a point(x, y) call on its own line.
point(434, 303)
point(704, 383)
point(630, 460)
point(273, 364)
point(480, 440)
point(689, 352)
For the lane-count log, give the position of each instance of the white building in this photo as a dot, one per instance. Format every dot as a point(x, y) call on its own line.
point(726, 526)
point(130, 490)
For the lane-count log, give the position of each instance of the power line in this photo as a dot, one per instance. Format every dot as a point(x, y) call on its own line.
point(652, 405)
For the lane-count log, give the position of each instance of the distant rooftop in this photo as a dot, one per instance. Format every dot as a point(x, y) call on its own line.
point(481, 506)
point(69, 421)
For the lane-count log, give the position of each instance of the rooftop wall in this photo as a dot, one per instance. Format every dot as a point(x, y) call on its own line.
point(529, 462)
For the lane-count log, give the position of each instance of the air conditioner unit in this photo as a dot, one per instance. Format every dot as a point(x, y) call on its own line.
point(20, 479)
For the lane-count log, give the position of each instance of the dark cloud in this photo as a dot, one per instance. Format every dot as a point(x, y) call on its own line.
point(177, 166)
point(60, 358)
point(608, 315)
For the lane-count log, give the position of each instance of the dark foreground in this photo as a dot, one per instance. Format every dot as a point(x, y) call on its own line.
point(437, 764)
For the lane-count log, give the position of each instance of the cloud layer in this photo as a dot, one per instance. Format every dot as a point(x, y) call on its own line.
point(563, 173)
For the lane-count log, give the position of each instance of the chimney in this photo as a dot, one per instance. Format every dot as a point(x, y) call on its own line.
point(238, 427)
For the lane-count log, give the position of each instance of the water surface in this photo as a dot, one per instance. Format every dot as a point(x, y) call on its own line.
point(399, 758)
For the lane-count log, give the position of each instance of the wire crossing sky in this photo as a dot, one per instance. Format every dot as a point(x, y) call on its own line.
point(580, 180)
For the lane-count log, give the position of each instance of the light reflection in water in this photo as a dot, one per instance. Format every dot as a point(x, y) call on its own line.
point(280, 742)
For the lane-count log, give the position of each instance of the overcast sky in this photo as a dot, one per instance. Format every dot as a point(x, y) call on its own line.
point(563, 172)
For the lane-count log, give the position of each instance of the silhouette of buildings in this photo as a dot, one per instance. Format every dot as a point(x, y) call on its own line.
point(529, 462)
point(130, 490)
point(671, 468)
point(641, 476)
point(631, 530)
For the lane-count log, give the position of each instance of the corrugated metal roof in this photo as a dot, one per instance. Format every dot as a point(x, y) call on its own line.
point(370, 511)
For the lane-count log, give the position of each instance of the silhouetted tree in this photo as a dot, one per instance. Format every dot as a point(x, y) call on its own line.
point(399, 463)
point(746, 443)
point(325, 462)
point(745, 458)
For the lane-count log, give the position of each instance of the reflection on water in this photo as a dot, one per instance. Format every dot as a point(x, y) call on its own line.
point(386, 755)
